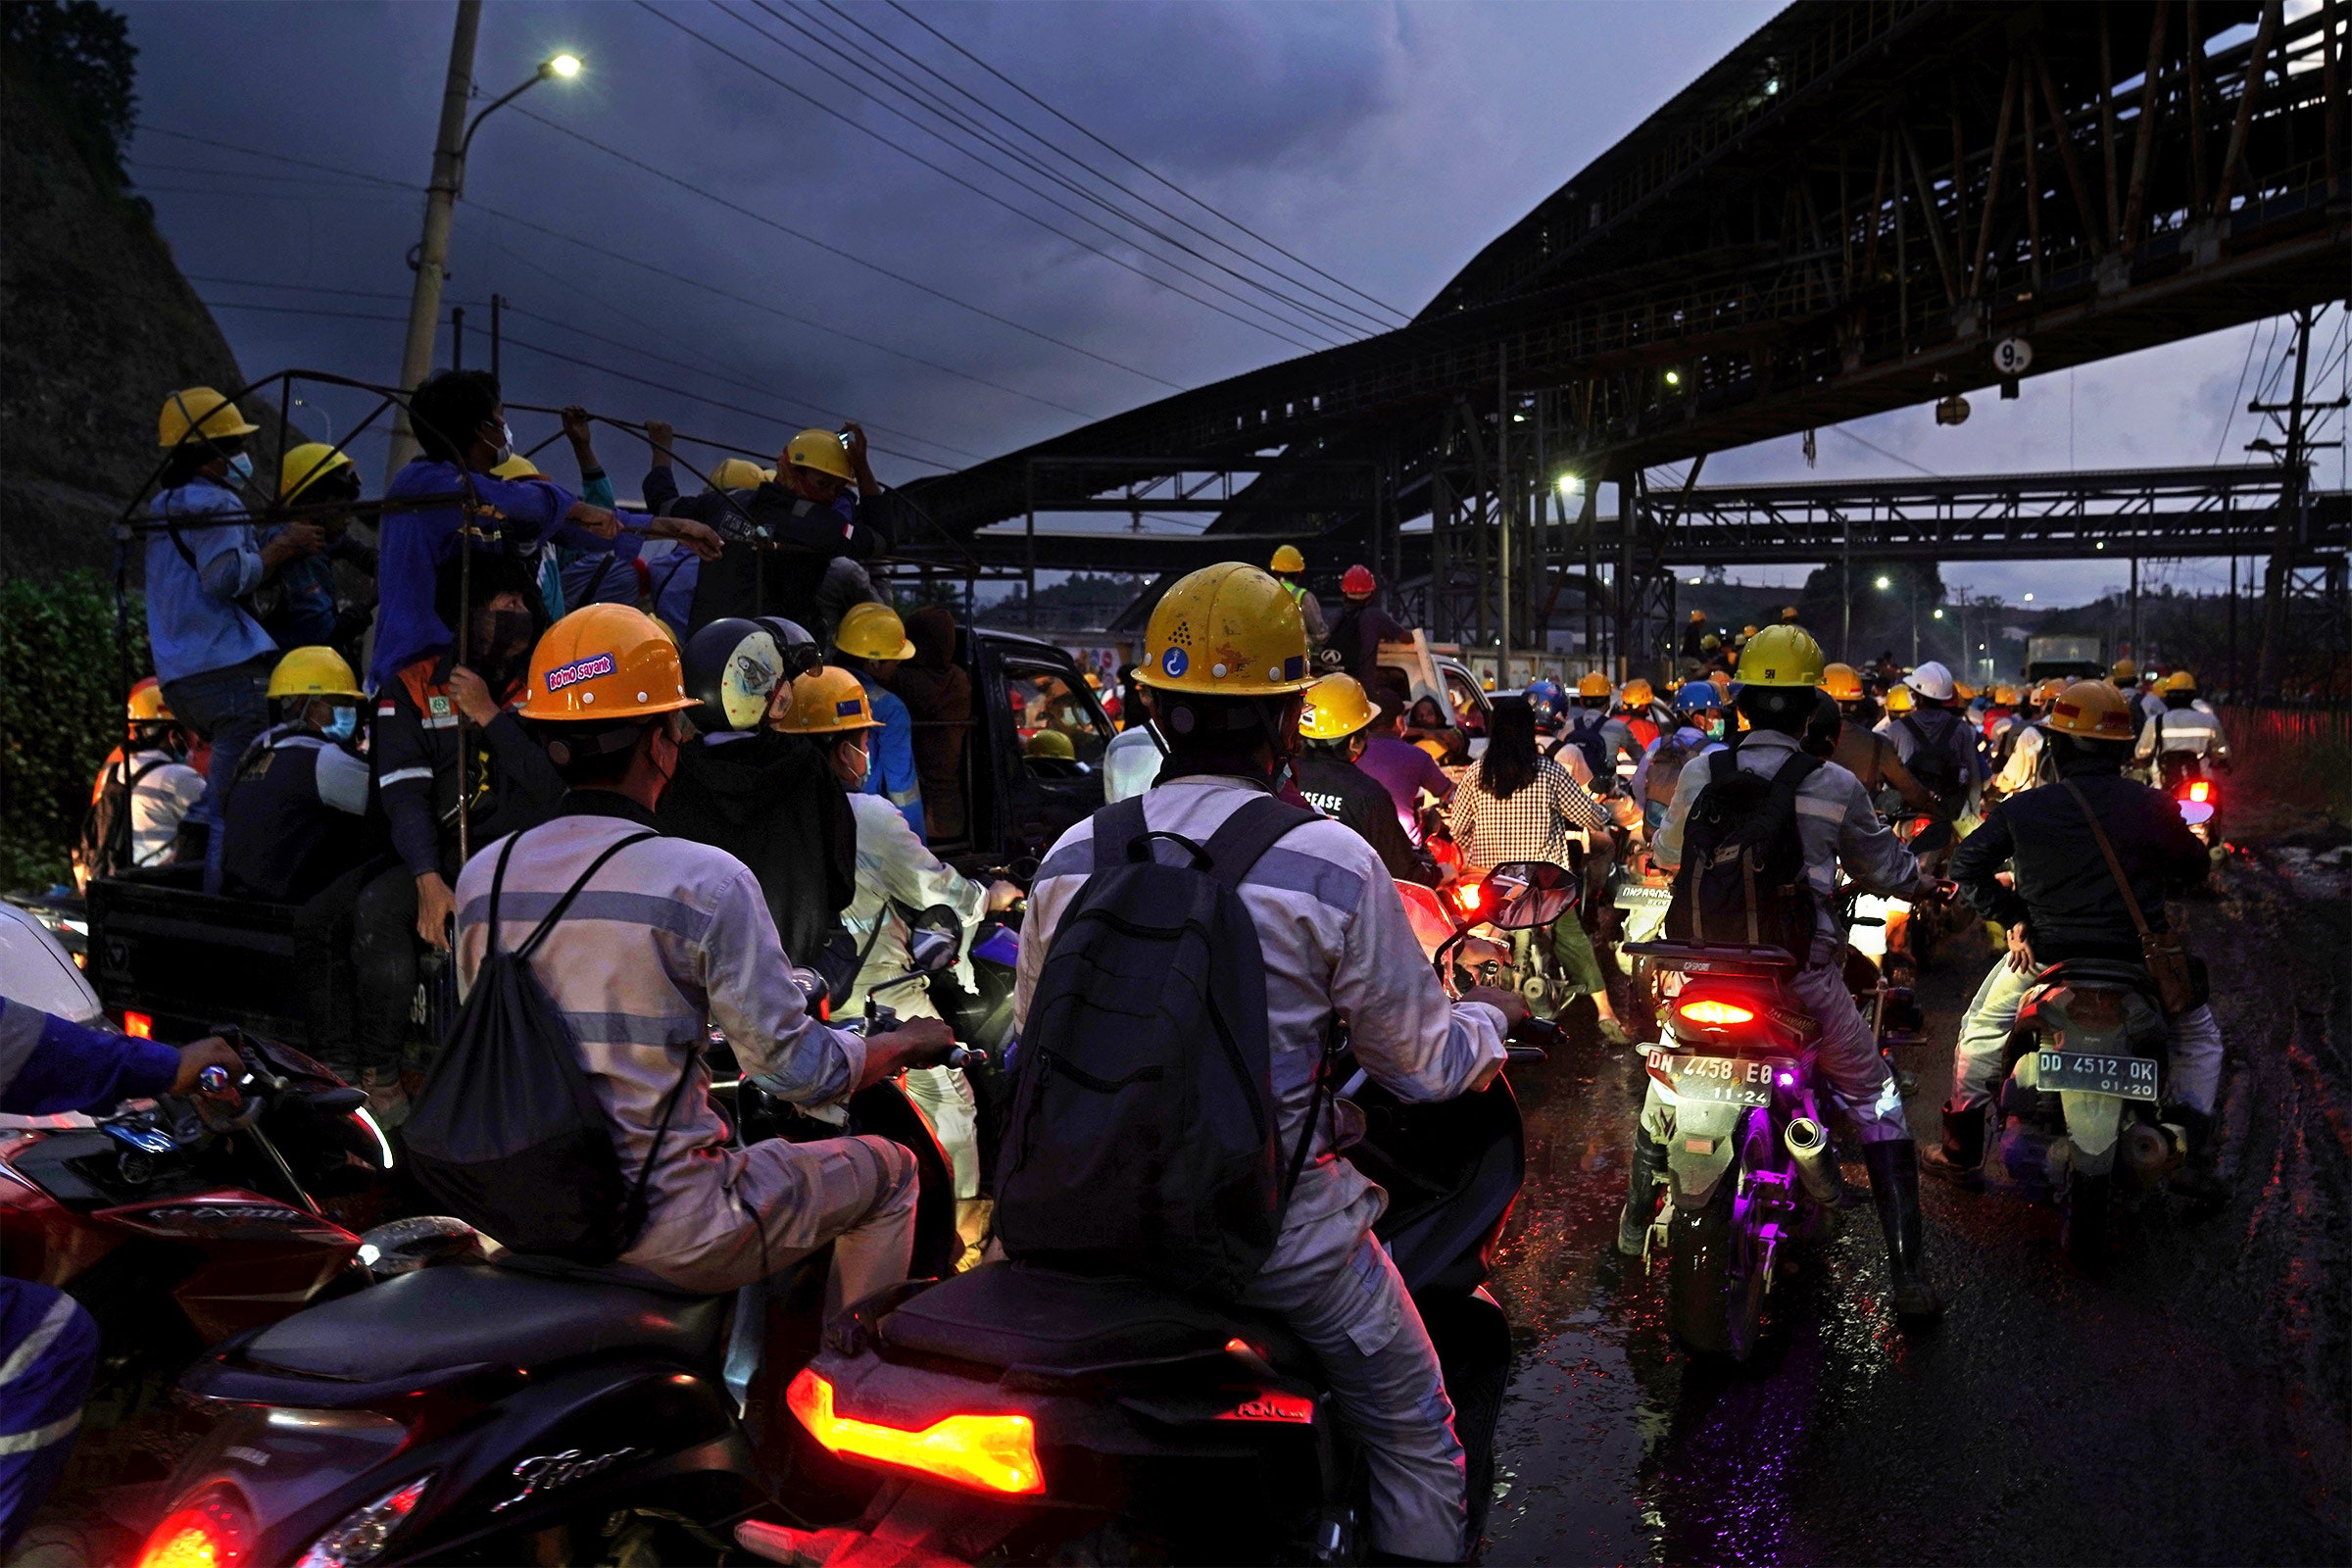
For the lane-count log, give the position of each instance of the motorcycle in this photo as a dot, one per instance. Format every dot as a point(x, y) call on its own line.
point(1024, 1412)
point(2189, 779)
point(2081, 1098)
point(458, 1414)
point(1748, 1161)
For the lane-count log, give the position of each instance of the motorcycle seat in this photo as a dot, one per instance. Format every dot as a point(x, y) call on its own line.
point(459, 1313)
point(1023, 1317)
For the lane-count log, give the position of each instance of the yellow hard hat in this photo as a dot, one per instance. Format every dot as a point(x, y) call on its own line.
point(146, 705)
point(1636, 694)
point(822, 451)
point(606, 662)
point(1962, 691)
point(737, 473)
point(1227, 631)
point(2180, 680)
point(305, 465)
point(1336, 708)
point(768, 475)
point(1288, 558)
point(2122, 670)
point(1789, 613)
point(517, 466)
point(1843, 682)
point(2092, 709)
point(1594, 684)
point(2005, 694)
point(2048, 688)
point(1710, 642)
point(1782, 655)
point(201, 412)
point(873, 631)
point(828, 700)
point(312, 672)
point(1899, 699)
point(1049, 743)
point(1094, 682)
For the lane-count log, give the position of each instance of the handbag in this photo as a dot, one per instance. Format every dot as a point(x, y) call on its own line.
point(2163, 952)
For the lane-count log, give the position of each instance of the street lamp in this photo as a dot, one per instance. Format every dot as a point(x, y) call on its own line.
point(1912, 589)
point(450, 145)
point(1886, 583)
point(1571, 486)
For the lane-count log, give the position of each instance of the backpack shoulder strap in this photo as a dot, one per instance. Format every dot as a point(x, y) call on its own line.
point(1248, 834)
point(1721, 765)
point(530, 944)
point(1116, 828)
point(1792, 775)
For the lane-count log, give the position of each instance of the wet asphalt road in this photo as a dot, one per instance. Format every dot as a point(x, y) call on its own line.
point(2189, 1407)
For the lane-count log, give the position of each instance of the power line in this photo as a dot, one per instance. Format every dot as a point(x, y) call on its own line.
point(846, 49)
point(835, 250)
point(604, 249)
point(596, 337)
point(1376, 323)
point(1892, 456)
point(528, 346)
point(949, 173)
point(1138, 164)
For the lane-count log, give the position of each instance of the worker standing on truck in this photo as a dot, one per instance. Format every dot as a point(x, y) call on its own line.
point(871, 643)
point(212, 656)
point(1289, 569)
point(311, 612)
point(138, 801)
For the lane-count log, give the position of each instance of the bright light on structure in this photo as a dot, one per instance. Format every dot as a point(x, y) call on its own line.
point(1886, 582)
point(1571, 485)
point(1940, 615)
point(1673, 378)
point(2029, 599)
point(564, 66)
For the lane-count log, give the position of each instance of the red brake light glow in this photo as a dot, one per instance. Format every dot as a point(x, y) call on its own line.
point(1469, 894)
point(208, 1533)
point(139, 1026)
point(1269, 1405)
point(2200, 791)
point(987, 1452)
point(1709, 1014)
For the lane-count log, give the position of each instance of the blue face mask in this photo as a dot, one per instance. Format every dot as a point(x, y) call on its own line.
point(343, 725)
point(240, 466)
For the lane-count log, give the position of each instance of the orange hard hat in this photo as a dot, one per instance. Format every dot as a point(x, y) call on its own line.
point(605, 662)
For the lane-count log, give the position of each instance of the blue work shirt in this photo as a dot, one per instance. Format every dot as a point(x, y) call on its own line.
point(194, 622)
point(571, 577)
point(50, 1064)
point(514, 516)
point(889, 764)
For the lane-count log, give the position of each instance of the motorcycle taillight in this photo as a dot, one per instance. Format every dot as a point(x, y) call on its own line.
point(209, 1531)
point(2198, 790)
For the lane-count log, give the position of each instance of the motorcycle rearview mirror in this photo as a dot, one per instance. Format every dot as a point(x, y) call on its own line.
point(1934, 836)
point(1530, 894)
point(931, 952)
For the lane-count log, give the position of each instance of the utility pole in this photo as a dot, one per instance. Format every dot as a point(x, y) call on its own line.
point(1502, 508)
point(432, 251)
point(2295, 495)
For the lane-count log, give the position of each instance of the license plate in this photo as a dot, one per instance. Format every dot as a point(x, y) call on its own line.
point(1725, 1080)
point(1639, 896)
point(2089, 1073)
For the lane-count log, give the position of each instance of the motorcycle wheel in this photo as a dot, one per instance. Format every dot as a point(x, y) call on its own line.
point(1714, 1293)
point(2085, 1207)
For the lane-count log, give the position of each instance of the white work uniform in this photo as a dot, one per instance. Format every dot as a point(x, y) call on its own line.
point(165, 791)
point(2023, 770)
point(893, 867)
point(1837, 825)
point(668, 938)
point(2181, 730)
point(1336, 941)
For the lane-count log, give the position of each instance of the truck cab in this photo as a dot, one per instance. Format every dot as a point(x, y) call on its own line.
point(1436, 669)
point(1030, 701)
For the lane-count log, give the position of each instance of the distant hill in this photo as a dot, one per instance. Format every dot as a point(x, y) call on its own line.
point(98, 327)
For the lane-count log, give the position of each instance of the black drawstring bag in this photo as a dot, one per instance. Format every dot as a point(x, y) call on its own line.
point(507, 1134)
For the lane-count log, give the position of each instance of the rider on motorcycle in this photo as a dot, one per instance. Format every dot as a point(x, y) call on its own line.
point(2022, 756)
point(1840, 830)
point(1225, 664)
point(2065, 904)
point(1865, 753)
point(2181, 730)
point(668, 939)
point(1334, 726)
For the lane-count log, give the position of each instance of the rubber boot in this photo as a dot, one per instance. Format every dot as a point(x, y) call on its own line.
point(2198, 1179)
point(1960, 1157)
point(1895, 1185)
point(1642, 1195)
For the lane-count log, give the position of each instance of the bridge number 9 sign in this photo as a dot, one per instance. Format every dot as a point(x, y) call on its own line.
point(2011, 356)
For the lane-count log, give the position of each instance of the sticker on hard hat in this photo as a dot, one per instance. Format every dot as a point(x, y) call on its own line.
point(850, 709)
point(579, 670)
point(1172, 662)
point(1294, 668)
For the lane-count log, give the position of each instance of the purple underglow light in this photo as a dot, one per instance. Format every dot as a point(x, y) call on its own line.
point(1786, 1079)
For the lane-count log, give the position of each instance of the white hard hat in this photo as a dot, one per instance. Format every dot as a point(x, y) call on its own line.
point(1932, 681)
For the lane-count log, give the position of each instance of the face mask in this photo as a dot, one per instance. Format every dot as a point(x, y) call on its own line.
point(1715, 729)
point(853, 764)
point(241, 465)
point(506, 443)
point(343, 725)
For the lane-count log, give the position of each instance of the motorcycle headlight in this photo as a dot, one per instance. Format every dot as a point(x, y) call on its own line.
point(361, 1534)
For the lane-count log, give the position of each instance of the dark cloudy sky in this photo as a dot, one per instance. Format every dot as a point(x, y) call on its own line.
point(1382, 143)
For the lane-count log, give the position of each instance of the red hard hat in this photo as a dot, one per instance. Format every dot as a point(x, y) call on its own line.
point(1358, 583)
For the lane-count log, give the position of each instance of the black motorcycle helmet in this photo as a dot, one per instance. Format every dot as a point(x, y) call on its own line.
point(799, 650)
point(732, 665)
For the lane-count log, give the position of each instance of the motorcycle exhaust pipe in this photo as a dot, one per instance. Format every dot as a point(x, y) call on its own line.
point(2151, 1149)
point(1809, 1146)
